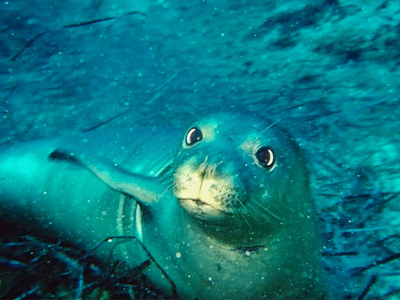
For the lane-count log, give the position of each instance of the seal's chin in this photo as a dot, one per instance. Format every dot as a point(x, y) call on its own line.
point(203, 210)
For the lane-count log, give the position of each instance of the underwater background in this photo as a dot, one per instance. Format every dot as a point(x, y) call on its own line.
point(328, 69)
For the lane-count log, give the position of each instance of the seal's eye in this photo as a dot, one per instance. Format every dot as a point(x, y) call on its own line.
point(266, 158)
point(193, 136)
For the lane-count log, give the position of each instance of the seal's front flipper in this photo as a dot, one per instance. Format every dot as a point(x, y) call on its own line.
point(145, 190)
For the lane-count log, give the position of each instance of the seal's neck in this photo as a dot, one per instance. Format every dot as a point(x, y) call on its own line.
point(232, 234)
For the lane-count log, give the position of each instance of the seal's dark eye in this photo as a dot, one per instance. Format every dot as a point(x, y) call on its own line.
point(193, 136)
point(266, 158)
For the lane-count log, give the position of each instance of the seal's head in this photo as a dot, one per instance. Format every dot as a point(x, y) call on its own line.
point(242, 168)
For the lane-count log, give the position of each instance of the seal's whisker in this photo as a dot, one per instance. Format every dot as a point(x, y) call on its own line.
point(235, 214)
point(257, 127)
point(247, 222)
point(168, 182)
point(169, 187)
point(262, 215)
point(269, 126)
point(266, 209)
point(247, 211)
point(240, 214)
point(164, 179)
point(213, 168)
point(203, 165)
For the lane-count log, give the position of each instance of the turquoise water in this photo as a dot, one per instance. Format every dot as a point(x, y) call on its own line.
point(329, 69)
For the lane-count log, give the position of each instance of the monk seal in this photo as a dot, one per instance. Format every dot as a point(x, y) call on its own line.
point(225, 214)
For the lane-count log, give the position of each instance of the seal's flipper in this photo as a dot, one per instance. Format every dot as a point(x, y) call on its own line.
point(144, 189)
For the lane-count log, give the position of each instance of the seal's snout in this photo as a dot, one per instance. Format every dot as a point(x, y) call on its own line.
point(204, 189)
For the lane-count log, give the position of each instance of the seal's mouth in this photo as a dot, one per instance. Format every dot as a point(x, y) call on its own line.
point(198, 207)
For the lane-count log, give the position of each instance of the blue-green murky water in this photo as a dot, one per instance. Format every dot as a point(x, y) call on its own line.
point(328, 68)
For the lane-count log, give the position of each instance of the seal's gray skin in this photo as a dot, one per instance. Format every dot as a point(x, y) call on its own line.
point(224, 208)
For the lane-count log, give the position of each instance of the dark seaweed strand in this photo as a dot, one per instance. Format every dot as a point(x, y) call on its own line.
point(88, 22)
point(148, 100)
point(373, 280)
point(17, 136)
point(106, 121)
point(85, 23)
point(173, 285)
point(377, 263)
point(342, 253)
point(28, 45)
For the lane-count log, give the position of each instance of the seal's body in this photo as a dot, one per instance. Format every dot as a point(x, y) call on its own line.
point(225, 209)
